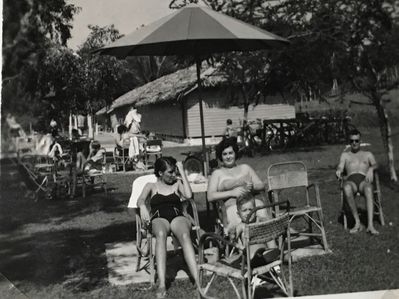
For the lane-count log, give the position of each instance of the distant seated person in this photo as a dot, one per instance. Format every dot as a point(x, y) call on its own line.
point(15, 129)
point(95, 160)
point(230, 131)
point(151, 148)
point(121, 140)
point(359, 166)
point(48, 146)
point(261, 254)
point(54, 129)
point(79, 150)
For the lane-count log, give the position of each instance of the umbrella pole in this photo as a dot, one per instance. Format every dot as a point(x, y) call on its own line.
point(204, 155)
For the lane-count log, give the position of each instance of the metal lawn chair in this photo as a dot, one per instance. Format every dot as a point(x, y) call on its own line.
point(289, 181)
point(121, 155)
point(152, 148)
point(254, 233)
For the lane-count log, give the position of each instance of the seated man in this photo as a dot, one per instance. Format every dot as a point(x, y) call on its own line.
point(359, 166)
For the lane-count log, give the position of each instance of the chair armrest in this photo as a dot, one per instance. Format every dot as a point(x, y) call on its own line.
point(212, 236)
point(315, 186)
point(194, 221)
point(195, 210)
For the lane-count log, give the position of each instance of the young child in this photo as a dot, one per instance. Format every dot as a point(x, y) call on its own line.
point(261, 254)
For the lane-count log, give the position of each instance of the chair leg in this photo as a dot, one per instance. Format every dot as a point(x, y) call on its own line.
point(378, 206)
point(83, 188)
point(322, 230)
point(246, 291)
point(345, 220)
point(104, 185)
point(151, 260)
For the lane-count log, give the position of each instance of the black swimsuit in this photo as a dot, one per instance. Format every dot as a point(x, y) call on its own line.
point(357, 178)
point(166, 206)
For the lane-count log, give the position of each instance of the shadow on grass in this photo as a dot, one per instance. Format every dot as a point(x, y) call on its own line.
point(74, 258)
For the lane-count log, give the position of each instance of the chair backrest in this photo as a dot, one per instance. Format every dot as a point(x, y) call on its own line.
point(287, 175)
point(137, 188)
point(262, 232)
point(154, 142)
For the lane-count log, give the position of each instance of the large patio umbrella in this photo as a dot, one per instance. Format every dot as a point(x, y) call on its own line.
point(193, 30)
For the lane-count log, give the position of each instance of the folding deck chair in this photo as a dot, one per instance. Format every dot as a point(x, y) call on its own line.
point(42, 176)
point(345, 210)
point(144, 235)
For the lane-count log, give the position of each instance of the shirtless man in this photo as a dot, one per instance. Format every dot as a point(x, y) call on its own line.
point(359, 166)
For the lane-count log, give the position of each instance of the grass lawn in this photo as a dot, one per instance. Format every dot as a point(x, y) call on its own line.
point(56, 249)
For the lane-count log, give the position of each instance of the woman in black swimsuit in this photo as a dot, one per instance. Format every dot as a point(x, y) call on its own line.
point(163, 201)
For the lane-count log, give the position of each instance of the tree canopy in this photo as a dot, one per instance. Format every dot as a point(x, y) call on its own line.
point(349, 42)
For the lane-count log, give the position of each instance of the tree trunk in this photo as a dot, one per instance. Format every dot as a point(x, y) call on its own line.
point(385, 129)
point(246, 102)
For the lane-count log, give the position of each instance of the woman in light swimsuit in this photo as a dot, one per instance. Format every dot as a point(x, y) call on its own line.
point(163, 201)
point(232, 181)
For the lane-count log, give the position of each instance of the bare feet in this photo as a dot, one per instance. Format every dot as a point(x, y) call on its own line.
point(161, 292)
point(357, 228)
point(372, 231)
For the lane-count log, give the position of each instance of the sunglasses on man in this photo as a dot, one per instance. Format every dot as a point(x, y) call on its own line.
point(354, 140)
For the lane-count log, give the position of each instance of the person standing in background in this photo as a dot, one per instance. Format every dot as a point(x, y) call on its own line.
point(132, 122)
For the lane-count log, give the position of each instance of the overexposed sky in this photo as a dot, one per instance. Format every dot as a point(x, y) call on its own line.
point(126, 15)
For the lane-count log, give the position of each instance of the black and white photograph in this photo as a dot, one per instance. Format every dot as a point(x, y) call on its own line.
point(199, 149)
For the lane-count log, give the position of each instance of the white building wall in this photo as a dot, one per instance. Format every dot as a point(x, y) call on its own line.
point(217, 111)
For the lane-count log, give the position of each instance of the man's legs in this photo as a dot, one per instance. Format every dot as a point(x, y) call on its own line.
point(350, 190)
point(367, 191)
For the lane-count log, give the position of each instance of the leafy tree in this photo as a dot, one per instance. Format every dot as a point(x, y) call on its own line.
point(105, 77)
point(347, 41)
point(29, 28)
point(138, 70)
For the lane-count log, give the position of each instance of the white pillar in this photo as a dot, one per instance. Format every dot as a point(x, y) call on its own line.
point(90, 126)
point(75, 122)
point(70, 126)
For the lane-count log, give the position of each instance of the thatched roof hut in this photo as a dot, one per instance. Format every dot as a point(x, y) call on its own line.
point(170, 108)
point(167, 88)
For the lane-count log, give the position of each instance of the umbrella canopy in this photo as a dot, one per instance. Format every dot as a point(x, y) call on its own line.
point(193, 30)
point(197, 31)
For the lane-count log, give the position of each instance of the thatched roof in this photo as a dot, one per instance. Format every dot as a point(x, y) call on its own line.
point(167, 88)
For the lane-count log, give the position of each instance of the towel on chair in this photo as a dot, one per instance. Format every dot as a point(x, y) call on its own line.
point(134, 149)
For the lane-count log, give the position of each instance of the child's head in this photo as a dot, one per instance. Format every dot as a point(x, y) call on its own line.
point(245, 205)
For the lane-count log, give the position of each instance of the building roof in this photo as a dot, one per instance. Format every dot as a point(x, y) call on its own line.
point(167, 88)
